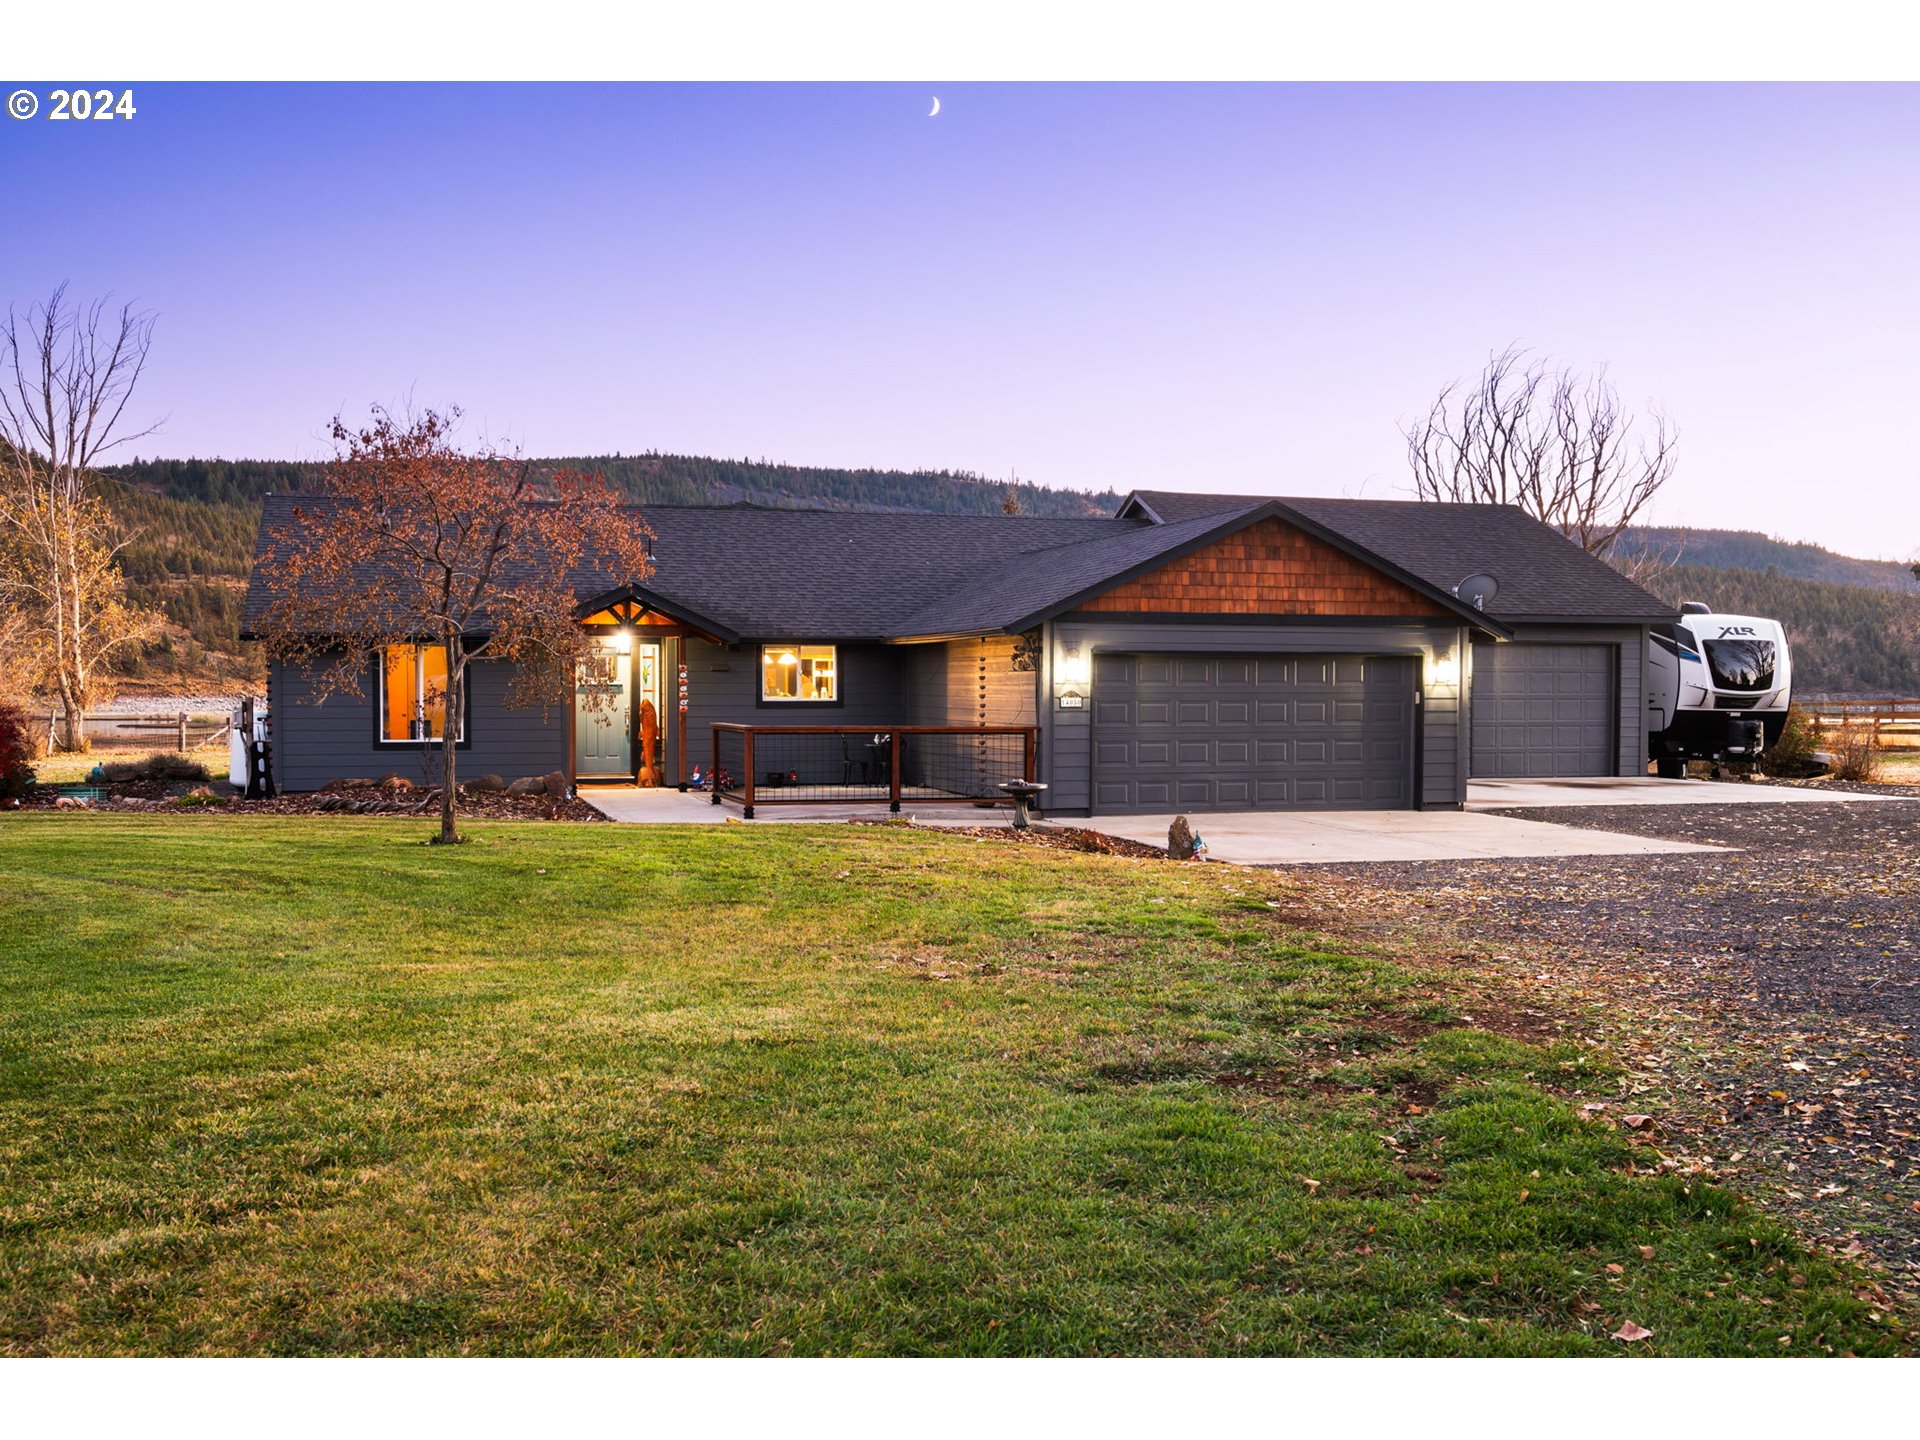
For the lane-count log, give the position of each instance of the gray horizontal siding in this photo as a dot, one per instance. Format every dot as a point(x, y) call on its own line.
point(317, 740)
point(1067, 735)
point(723, 686)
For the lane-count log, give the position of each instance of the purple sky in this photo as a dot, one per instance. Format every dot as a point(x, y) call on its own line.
point(1240, 288)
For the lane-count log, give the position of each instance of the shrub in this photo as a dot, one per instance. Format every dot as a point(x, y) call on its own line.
point(1792, 754)
point(155, 767)
point(16, 753)
point(1855, 746)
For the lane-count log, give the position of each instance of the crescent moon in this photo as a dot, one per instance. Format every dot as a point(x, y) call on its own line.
point(936, 108)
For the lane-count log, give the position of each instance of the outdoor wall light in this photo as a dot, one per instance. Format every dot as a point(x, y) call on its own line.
point(1075, 668)
point(623, 640)
point(1445, 669)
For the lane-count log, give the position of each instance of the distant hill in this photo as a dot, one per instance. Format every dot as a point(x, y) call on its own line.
point(1846, 639)
point(667, 480)
point(195, 522)
point(1750, 550)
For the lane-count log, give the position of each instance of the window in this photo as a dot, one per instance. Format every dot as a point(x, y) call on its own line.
point(413, 693)
point(1741, 664)
point(800, 672)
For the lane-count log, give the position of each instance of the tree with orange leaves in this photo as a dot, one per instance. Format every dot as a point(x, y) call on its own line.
point(411, 540)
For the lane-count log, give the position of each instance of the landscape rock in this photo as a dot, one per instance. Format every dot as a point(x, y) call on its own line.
point(1180, 839)
point(556, 785)
point(395, 782)
point(334, 787)
point(528, 785)
point(486, 783)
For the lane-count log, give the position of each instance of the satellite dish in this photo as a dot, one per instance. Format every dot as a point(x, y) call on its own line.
point(1477, 590)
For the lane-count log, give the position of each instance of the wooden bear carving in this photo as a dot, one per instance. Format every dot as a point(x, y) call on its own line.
point(649, 744)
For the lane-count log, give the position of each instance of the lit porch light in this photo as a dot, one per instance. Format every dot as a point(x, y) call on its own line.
point(1075, 668)
point(1445, 669)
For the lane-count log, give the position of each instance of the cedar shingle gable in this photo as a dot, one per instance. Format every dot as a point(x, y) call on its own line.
point(1269, 568)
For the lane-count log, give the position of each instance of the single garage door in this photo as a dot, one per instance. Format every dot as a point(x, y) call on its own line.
point(1251, 732)
point(1543, 710)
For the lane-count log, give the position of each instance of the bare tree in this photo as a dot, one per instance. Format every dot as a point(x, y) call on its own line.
point(1556, 443)
point(67, 373)
point(412, 541)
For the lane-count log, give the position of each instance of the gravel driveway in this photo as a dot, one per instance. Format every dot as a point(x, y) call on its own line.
point(1767, 1002)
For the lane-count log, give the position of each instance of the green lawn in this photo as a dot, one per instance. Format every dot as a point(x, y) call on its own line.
point(280, 1086)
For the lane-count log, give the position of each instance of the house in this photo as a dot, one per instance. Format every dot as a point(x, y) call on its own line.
point(1190, 652)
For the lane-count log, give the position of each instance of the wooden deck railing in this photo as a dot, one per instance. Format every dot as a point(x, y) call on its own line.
point(867, 764)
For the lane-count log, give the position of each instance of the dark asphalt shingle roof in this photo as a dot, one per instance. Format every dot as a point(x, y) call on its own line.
point(850, 575)
point(1543, 575)
point(1026, 584)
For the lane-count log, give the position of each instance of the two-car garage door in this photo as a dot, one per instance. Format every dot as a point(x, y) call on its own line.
point(1251, 732)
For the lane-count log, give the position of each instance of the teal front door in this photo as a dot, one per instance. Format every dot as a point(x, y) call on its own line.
point(603, 714)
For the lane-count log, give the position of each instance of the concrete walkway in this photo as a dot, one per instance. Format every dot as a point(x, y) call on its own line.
point(631, 805)
point(1647, 790)
point(1326, 837)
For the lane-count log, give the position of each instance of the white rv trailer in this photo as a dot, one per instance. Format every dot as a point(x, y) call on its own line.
point(1719, 688)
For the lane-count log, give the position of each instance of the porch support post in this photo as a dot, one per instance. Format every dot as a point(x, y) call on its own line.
point(713, 775)
point(893, 784)
point(747, 812)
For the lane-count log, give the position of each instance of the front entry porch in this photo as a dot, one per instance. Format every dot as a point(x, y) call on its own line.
point(629, 705)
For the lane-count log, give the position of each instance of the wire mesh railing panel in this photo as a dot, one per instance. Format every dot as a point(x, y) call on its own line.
point(728, 773)
point(964, 765)
point(825, 764)
point(793, 768)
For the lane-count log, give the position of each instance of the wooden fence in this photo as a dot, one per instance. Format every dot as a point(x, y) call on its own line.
point(1892, 717)
point(183, 730)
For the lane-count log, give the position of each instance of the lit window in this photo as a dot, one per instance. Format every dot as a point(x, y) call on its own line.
point(413, 693)
point(799, 672)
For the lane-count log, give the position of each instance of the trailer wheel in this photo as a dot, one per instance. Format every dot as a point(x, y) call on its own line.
point(1670, 769)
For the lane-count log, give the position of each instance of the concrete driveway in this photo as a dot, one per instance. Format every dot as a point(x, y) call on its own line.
point(1317, 837)
point(1646, 790)
point(1327, 837)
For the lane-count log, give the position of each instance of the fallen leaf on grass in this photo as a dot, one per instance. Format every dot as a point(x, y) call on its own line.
point(1646, 1252)
point(1630, 1332)
point(1311, 1185)
point(1616, 1269)
point(1637, 1122)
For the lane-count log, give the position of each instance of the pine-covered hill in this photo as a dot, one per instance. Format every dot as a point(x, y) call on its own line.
point(1750, 550)
point(194, 524)
point(1846, 639)
point(667, 480)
